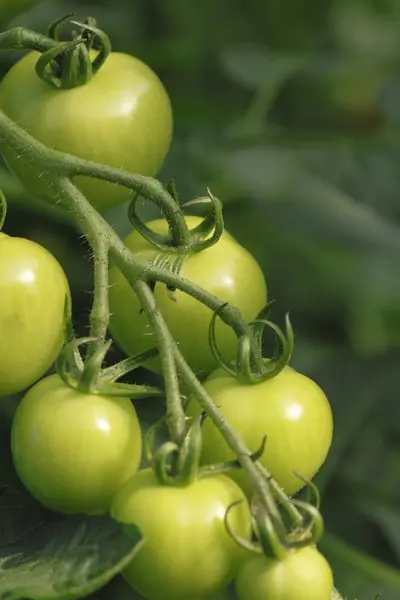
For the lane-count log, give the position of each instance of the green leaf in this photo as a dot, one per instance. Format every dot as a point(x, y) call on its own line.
point(44, 556)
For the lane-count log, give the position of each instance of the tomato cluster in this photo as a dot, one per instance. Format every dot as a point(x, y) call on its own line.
point(78, 450)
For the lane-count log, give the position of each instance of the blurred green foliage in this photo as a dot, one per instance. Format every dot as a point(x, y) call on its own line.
point(289, 111)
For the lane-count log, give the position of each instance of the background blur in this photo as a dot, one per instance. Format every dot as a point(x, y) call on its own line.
point(289, 110)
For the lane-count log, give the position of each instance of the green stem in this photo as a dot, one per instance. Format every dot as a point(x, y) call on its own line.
point(100, 313)
point(20, 38)
point(176, 418)
point(234, 441)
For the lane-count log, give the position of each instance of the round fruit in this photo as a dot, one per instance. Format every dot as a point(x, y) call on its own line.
point(33, 293)
point(302, 575)
point(290, 409)
point(122, 118)
point(226, 270)
point(187, 552)
point(73, 451)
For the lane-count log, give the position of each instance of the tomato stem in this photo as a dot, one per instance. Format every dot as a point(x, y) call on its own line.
point(20, 38)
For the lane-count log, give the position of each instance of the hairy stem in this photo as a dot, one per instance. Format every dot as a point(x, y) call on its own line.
point(176, 418)
point(234, 441)
point(20, 38)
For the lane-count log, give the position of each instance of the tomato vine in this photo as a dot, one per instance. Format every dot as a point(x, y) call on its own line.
point(58, 171)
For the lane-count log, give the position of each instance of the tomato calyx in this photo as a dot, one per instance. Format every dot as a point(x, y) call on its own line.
point(250, 365)
point(275, 541)
point(176, 464)
point(90, 378)
point(71, 64)
point(181, 240)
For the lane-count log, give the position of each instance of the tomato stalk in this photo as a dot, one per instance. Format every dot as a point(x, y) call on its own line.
point(20, 38)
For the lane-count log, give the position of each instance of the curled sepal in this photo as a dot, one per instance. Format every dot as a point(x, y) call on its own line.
point(176, 224)
point(53, 29)
point(284, 348)
point(209, 231)
point(90, 33)
point(223, 467)
point(269, 539)
point(68, 365)
point(190, 453)
point(240, 541)
point(313, 495)
point(149, 439)
point(49, 65)
point(164, 463)
point(127, 365)
point(76, 68)
point(262, 315)
point(3, 209)
point(228, 366)
point(312, 530)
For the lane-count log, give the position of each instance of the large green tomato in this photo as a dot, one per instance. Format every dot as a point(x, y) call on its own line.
point(290, 409)
point(122, 118)
point(188, 552)
point(226, 270)
point(302, 575)
point(33, 292)
point(73, 451)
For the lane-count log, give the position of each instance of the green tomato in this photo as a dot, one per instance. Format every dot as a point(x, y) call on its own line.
point(302, 575)
point(290, 409)
point(188, 552)
point(226, 270)
point(73, 451)
point(33, 292)
point(122, 118)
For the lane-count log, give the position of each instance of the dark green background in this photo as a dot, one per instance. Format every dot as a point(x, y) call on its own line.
point(289, 111)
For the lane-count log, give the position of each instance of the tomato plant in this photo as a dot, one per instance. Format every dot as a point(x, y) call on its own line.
point(225, 269)
point(302, 575)
point(188, 552)
point(122, 118)
point(72, 450)
point(33, 293)
point(290, 409)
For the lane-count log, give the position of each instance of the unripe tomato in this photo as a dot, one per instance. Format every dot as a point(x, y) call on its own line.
point(33, 292)
point(290, 409)
point(122, 118)
point(73, 451)
point(302, 575)
point(187, 552)
point(226, 270)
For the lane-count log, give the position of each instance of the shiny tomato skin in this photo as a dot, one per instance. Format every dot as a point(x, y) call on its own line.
point(188, 552)
point(73, 451)
point(302, 575)
point(122, 118)
point(290, 409)
point(33, 292)
point(226, 270)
